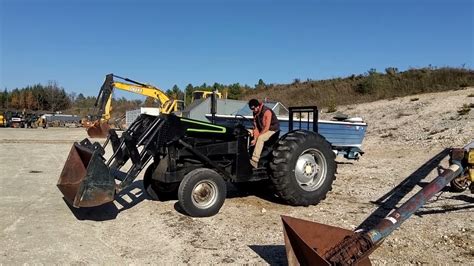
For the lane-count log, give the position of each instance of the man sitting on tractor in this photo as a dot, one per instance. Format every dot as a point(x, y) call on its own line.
point(265, 124)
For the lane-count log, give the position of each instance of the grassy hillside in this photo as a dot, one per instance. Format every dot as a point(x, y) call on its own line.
point(368, 87)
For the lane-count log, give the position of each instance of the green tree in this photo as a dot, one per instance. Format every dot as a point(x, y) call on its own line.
point(80, 97)
point(175, 93)
point(391, 71)
point(372, 71)
point(31, 102)
point(149, 102)
point(3, 99)
point(235, 91)
point(260, 84)
point(189, 93)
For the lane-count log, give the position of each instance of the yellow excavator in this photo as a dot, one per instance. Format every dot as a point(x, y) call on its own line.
point(100, 127)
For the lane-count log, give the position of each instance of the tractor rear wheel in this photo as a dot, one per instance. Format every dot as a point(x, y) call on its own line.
point(303, 168)
point(202, 192)
point(158, 190)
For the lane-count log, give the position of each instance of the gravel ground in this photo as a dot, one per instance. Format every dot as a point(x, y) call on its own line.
point(37, 226)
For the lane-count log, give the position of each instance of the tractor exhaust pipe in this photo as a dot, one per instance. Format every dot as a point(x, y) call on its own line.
point(213, 106)
point(318, 244)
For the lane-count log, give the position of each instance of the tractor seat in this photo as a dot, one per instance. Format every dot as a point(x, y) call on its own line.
point(272, 140)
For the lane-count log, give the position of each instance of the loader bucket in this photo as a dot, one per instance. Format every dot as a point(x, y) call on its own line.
point(99, 129)
point(85, 180)
point(307, 243)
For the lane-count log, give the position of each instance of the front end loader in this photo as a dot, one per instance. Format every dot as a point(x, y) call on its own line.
point(194, 159)
point(88, 179)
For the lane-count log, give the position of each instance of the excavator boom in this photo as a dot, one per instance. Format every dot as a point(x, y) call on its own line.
point(100, 127)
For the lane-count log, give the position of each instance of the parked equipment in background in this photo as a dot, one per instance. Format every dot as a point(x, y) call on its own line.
point(14, 119)
point(18, 119)
point(54, 120)
point(198, 95)
point(3, 120)
point(195, 159)
point(100, 127)
point(310, 243)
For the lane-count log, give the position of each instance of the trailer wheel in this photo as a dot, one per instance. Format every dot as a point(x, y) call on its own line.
point(202, 192)
point(303, 168)
point(158, 190)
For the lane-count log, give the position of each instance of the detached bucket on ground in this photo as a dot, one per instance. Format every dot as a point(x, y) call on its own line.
point(86, 180)
point(311, 243)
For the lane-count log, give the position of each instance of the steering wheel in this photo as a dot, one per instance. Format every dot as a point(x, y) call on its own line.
point(239, 115)
point(240, 122)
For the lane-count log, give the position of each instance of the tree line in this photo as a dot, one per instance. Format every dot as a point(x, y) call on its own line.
point(370, 86)
point(232, 91)
point(53, 98)
point(37, 97)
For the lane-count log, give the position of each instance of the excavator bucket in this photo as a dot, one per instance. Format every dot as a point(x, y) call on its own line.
point(308, 243)
point(99, 129)
point(86, 180)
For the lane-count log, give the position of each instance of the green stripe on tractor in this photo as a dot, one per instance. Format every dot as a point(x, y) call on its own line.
point(218, 129)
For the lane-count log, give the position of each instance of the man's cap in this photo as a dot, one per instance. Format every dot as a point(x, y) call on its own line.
point(253, 103)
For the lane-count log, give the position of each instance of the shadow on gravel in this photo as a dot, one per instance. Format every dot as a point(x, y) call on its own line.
point(351, 163)
point(390, 200)
point(126, 199)
point(468, 205)
point(272, 254)
point(261, 189)
point(447, 209)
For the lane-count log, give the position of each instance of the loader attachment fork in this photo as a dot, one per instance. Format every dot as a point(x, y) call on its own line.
point(88, 179)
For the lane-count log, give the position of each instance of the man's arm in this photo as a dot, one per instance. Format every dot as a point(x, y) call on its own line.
point(255, 130)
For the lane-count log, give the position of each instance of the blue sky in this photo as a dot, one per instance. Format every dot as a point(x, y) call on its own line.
point(76, 43)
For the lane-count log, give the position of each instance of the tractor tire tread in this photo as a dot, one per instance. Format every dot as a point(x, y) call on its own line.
point(281, 174)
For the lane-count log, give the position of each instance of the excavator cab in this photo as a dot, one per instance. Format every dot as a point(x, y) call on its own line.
point(197, 95)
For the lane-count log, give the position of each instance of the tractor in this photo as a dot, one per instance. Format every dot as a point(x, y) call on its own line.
point(195, 159)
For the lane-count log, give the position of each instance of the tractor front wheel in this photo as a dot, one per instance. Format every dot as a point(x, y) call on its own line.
point(202, 192)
